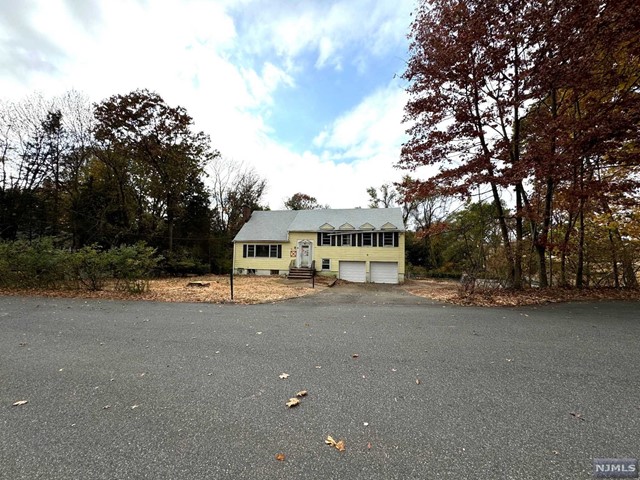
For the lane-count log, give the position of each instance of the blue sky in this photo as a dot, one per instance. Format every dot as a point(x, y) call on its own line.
point(305, 92)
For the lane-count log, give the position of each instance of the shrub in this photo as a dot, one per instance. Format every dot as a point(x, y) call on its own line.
point(133, 266)
point(40, 265)
point(92, 267)
point(36, 264)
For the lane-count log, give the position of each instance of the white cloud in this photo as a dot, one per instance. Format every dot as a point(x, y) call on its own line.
point(362, 27)
point(357, 151)
point(376, 123)
point(216, 59)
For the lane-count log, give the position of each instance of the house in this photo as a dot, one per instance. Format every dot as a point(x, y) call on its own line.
point(359, 245)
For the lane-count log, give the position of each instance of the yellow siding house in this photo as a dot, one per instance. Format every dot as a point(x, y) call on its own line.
point(358, 245)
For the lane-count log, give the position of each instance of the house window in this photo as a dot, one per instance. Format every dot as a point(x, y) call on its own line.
point(326, 239)
point(346, 239)
point(366, 240)
point(326, 264)
point(264, 251)
point(387, 239)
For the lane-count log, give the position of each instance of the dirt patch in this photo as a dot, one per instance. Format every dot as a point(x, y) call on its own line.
point(246, 289)
point(450, 292)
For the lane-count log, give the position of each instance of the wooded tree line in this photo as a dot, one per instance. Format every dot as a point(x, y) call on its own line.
point(130, 168)
point(536, 102)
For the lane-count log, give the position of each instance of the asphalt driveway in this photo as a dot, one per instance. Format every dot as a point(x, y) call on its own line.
point(152, 390)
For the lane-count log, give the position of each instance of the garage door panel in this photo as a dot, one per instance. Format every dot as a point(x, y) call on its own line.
point(384, 272)
point(353, 271)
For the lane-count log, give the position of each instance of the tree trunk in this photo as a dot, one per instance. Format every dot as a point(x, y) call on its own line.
point(541, 242)
point(517, 264)
point(628, 271)
point(614, 261)
point(504, 230)
point(580, 268)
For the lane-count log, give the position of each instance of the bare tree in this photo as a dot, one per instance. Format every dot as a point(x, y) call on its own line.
point(233, 186)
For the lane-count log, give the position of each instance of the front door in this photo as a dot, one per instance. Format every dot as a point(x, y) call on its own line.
point(305, 254)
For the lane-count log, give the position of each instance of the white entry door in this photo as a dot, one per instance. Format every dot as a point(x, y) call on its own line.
point(305, 254)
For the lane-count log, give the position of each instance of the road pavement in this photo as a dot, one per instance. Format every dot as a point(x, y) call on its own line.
point(416, 389)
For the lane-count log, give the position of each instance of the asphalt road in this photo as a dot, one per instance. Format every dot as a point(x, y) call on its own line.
point(121, 390)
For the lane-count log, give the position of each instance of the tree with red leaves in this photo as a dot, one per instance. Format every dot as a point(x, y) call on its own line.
point(522, 96)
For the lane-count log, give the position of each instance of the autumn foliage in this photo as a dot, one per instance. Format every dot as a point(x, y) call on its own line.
point(539, 103)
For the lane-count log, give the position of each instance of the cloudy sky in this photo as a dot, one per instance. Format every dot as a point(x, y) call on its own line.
point(305, 91)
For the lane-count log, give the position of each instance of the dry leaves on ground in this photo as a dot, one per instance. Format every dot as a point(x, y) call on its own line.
point(283, 376)
point(19, 403)
point(339, 445)
point(246, 290)
point(449, 291)
point(302, 393)
point(293, 402)
point(280, 457)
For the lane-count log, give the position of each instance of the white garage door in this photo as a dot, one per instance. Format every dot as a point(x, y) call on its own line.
point(384, 272)
point(353, 271)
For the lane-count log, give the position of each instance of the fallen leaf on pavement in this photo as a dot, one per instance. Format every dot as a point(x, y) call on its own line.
point(19, 403)
point(133, 407)
point(280, 457)
point(340, 445)
point(302, 393)
point(106, 407)
point(293, 402)
point(369, 445)
point(417, 381)
point(577, 415)
point(284, 375)
point(355, 355)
